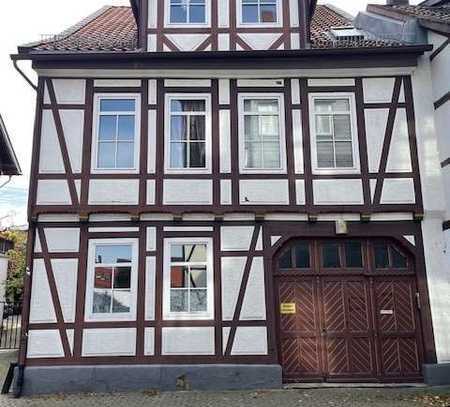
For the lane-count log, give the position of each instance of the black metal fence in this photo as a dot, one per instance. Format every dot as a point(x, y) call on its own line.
point(10, 325)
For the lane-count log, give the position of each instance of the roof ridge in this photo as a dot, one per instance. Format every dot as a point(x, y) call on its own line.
point(73, 29)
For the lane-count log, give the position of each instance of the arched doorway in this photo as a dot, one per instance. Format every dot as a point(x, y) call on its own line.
point(348, 310)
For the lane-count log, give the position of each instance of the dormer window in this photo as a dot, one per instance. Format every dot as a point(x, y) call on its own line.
point(187, 11)
point(259, 12)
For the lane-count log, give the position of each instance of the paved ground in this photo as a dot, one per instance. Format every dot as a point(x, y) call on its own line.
point(405, 397)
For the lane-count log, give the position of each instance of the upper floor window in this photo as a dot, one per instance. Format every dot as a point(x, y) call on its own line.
point(188, 140)
point(187, 12)
point(334, 144)
point(188, 278)
point(116, 141)
point(112, 272)
point(258, 12)
point(262, 145)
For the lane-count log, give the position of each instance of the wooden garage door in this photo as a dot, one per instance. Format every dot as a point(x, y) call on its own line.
point(347, 312)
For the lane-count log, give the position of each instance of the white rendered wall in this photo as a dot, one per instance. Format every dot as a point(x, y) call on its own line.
point(3, 275)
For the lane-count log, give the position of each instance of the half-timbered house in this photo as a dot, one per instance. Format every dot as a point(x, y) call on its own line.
point(231, 194)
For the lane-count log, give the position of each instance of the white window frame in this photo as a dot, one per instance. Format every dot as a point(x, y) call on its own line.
point(168, 23)
point(282, 123)
point(208, 133)
point(118, 316)
point(354, 130)
point(209, 313)
point(240, 16)
point(96, 127)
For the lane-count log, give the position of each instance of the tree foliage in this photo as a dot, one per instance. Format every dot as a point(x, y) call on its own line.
point(17, 264)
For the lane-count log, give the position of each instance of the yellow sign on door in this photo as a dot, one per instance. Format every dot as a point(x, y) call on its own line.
point(288, 308)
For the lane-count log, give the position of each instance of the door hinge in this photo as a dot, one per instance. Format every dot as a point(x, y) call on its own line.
point(418, 300)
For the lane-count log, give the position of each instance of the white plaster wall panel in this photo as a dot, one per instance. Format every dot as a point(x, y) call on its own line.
point(295, 41)
point(260, 41)
point(53, 192)
point(266, 83)
point(399, 159)
point(187, 42)
point(411, 239)
point(236, 238)
point(250, 341)
point(152, 13)
point(129, 83)
point(151, 239)
point(37, 243)
point(198, 217)
point(109, 342)
point(300, 191)
point(396, 191)
point(238, 217)
point(378, 90)
point(225, 192)
point(151, 156)
point(225, 141)
point(224, 42)
point(50, 157)
point(274, 240)
point(41, 304)
point(446, 180)
point(376, 122)
point(187, 83)
point(61, 240)
point(280, 217)
point(112, 229)
point(151, 192)
point(440, 71)
point(109, 217)
point(225, 336)
point(67, 217)
point(152, 92)
point(151, 43)
point(331, 82)
point(295, 91)
point(73, 125)
point(70, 338)
point(254, 304)
point(373, 186)
point(259, 242)
point(113, 192)
point(188, 341)
point(224, 91)
point(193, 192)
point(336, 192)
point(65, 272)
point(70, 91)
point(150, 279)
point(264, 192)
point(297, 134)
point(188, 229)
point(149, 341)
point(442, 122)
point(78, 188)
point(232, 272)
point(44, 344)
point(224, 13)
point(46, 95)
point(294, 13)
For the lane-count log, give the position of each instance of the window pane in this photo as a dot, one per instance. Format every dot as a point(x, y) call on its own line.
point(179, 300)
point(103, 277)
point(268, 13)
point(342, 127)
point(323, 106)
point(323, 124)
point(186, 253)
point(198, 277)
point(121, 301)
point(253, 155)
point(330, 255)
point(302, 255)
point(398, 259)
point(117, 105)
point(106, 155)
point(197, 124)
point(381, 257)
point(271, 155)
point(107, 128)
point(353, 254)
point(179, 276)
point(178, 155)
point(341, 105)
point(197, 14)
point(178, 128)
point(250, 13)
point(122, 277)
point(268, 125)
point(179, 105)
point(285, 260)
point(325, 155)
point(102, 302)
point(261, 106)
point(344, 154)
point(125, 155)
point(126, 128)
point(110, 254)
point(178, 14)
point(198, 301)
point(197, 155)
point(251, 128)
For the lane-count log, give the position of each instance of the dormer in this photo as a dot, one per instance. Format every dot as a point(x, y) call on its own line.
point(223, 25)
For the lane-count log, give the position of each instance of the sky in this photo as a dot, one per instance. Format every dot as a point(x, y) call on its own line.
point(17, 98)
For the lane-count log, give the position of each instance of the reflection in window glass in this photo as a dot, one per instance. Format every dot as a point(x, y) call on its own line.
point(353, 254)
point(330, 255)
point(302, 259)
point(381, 256)
point(398, 259)
point(285, 261)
